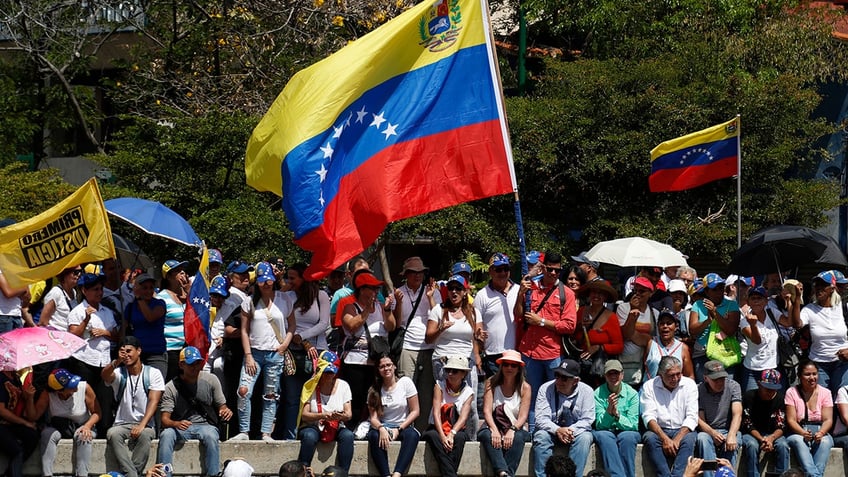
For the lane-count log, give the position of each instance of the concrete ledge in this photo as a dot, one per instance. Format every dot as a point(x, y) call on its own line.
point(266, 458)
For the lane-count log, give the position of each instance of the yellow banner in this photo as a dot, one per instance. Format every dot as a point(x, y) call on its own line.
point(71, 232)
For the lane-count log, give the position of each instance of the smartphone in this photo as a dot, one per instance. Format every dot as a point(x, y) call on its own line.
point(709, 465)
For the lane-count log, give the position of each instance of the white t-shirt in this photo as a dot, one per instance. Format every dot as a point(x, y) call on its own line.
point(334, 402)
point(133, 404)
point(413, 340)
point(456, 339)
point(64, 305)
point(465, 394)
point(495, 310)
point(841, 398)
point(10, 306)
point(313, 324)
point(359, 353)
point(96, 351)
point(764, 355)
point(395, 402)
point(73, 408)
point(262, 335)
point(827, 331)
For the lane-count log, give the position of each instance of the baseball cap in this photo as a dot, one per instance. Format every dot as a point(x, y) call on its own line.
point(731, 280)
point(215, 256)
point(87, 280)
point(642, 281)
point(840, 277)
point(61, 378)
point(460, 267)
point(190, 355)
point(534, 257)
point(264, 268)
point(171, 265)
point(130, 341)
point(714, 370)
point(459, 279)
point(827, 276)
point(144, 277)
point(568, 369)
point(770, 379)
point(331, 368)
point(499, 259)
point(748, 281)
point(266, 277)
point(239, 266)
point(669, 314)
point(758, 291)
point(712, 280)
point(367, 279)
point(582, 258)
point(613, 365)
point(237, 468)
point(330, 357)
point(113, 473)
point(218, 286)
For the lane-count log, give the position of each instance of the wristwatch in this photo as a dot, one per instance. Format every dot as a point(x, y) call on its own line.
point(542, 323)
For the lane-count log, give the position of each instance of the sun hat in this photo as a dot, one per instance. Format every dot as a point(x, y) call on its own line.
point(61, 378)
point(172, 264)
point(413, 264)
point(512, 356)
point(457, 362)
point(600, 285)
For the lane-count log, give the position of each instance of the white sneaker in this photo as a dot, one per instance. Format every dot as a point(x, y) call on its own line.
point(268, 438)
point(242, 436)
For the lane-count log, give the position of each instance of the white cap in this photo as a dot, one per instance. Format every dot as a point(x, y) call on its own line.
point(677, 285)
point(238, 468)
point(731, 280)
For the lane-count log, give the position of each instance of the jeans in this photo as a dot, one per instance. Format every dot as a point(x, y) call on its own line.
point(504, 460)
point(618, 451)
point(408, 437)
point(269, 364)
point(49, 443)
point(10, 322)
point(833, 375)
point(205, 433)
point(706, 449)
point(653, 445)
point(17, 443)
point(286, 427)
point(538, 372)
point(309, 437)
point(751, 455)
point(811, 458)
point(119, 443)
point(448, 461)
point(543, 448)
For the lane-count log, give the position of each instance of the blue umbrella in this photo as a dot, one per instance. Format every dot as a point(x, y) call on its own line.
point(153, 218)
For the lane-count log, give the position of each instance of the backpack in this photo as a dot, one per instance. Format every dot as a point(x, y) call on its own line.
point(122, 381)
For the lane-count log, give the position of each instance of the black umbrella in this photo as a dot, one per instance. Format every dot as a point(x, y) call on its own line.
point(785, 247)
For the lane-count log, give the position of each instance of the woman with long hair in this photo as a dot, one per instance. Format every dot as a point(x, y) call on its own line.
point(267, 326)
point(809, 419)
point(393, 408)
point(61, 299)
point(312, 318)
point(363, 319)
point(575, 278)
point(598, 333)
point(450, 411)
point(174, 292)
point(506, 407)
point(451, 328)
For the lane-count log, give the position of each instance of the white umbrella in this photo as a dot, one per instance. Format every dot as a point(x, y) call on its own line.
point(636, 252)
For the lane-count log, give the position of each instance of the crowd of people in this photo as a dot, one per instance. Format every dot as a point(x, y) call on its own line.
point(712, 368)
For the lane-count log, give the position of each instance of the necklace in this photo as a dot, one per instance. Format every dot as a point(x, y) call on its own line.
point(134, 385)
point(451, 392)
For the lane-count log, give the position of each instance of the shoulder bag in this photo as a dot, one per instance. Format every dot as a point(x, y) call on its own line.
point(726, 351)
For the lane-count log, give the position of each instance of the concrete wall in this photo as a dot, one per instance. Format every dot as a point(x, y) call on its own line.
point(266, 458)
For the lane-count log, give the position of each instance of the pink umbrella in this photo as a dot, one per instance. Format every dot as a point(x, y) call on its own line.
point(26, 347)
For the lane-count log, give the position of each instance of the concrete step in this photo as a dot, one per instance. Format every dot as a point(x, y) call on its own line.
point(267, 457)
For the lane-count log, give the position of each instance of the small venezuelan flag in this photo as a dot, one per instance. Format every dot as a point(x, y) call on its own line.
point(695, 159)
point(405, 120)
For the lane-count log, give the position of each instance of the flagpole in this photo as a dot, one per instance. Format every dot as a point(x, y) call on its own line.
point(738, 181)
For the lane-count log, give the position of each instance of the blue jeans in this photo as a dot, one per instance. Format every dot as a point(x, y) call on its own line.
point(811, 458)
point(751, 455)
point(10, 322)
point(538, 372)
point(286, 428)
point(618, 451)
point(408, 438)
point(833, 375)
point(706, 449)
point(653, 445)
point(309, 437)
point(504, 460)
point(205, 433)
point(269, 364)
point(543, 448)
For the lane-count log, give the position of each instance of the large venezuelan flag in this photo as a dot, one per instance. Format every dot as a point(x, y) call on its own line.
point(196, 323)
point(695, 159)
point(405, 120)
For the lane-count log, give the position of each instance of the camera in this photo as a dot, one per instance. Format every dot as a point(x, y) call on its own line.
point(709, 465)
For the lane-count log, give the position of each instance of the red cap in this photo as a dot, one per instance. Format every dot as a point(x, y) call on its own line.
point(642, 281)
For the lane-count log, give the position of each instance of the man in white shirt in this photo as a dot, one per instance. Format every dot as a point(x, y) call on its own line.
point(494, 303)
point(670, 412)
point(414, 301)
point(138, 389)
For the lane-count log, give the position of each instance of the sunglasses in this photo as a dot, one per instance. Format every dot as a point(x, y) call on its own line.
point(77, 273)
point(509, 365)
point(457, 289)
point(501, 269)
point(554, 269)
point(454, 371)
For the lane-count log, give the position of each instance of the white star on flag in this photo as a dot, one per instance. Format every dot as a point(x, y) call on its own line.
point(322, 173)
point(337, 132)
point(378, 120)
point(360, 115)
point(328, 151)
point(390, 130)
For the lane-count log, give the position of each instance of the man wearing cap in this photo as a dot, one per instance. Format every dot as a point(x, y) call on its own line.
point(552, 313)
point(712, 308)
point(565, 411)
point(216, 262)
point(415, 299)
point(192, 405)
point(763, 418)
point(617, 422)
point(719, 415)
point(590, 267)
point(138, 389)
point(494, 304)
point(74, 411)
point(669, 404)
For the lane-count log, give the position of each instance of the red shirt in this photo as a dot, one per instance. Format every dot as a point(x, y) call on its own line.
point(543, 343)
point(608, 336)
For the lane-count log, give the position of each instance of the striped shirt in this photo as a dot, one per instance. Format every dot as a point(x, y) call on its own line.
point(174, 315)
